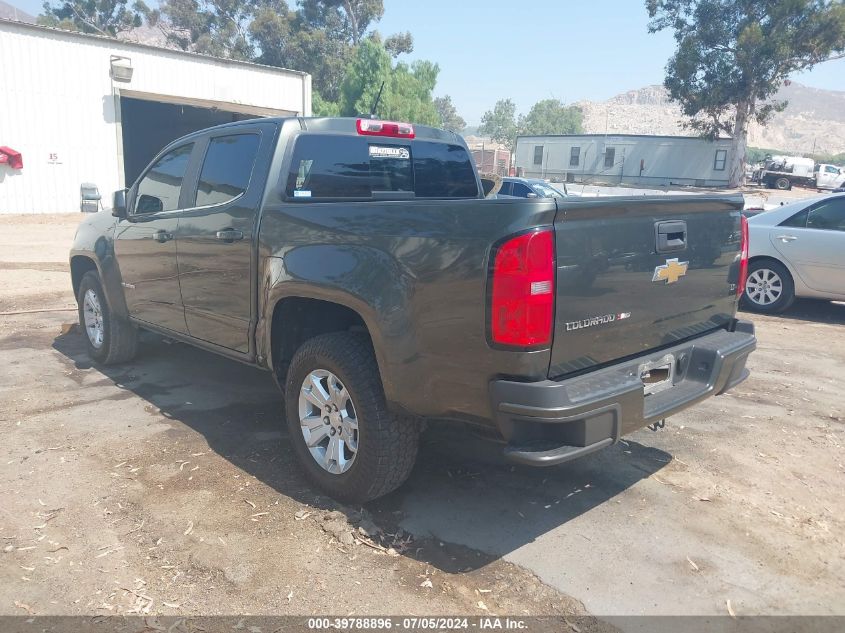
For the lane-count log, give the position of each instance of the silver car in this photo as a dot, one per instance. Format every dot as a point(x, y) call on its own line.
point(797, 250)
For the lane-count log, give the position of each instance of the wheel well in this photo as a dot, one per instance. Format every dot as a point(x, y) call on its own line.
point(768, 258)
point(79, 265)
point(759, 258)
point(297, 319)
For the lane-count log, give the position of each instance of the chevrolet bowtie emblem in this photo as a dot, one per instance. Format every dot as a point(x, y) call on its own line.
point(671, 271)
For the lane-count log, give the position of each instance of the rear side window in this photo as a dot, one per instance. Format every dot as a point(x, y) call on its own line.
point(326, 167)
point(799, 220)
point(226, 169)
point(828, 216)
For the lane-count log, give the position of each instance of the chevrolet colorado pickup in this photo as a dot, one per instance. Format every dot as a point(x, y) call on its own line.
point(358, 261)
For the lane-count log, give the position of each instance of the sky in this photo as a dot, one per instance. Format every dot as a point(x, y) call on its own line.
point(536, 49)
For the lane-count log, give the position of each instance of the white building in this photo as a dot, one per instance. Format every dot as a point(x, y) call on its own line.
point(625, 159)
point(88, 109)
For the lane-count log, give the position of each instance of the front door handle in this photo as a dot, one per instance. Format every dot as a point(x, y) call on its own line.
point(162, 236)
point(787, 238)
point(230, 235)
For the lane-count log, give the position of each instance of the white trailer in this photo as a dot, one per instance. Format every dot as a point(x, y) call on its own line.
point(656, 161)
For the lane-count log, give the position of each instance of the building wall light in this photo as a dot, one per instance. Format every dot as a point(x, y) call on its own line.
point(120, 68)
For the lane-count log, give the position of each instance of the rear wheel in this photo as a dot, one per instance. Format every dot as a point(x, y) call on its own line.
point(109, 339)
point(769, 288)
point(347, 442)
point(783, 184)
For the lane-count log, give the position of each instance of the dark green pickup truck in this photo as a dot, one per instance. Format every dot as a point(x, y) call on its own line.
point(359, 261)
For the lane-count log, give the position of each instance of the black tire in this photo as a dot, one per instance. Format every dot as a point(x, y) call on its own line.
point(387, 445)
point(787, 295)
point(119, 336)
point(783, 184)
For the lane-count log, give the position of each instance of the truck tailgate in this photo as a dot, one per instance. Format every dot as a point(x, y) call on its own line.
point(635, 275)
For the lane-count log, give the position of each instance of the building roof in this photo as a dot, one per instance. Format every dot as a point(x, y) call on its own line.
point(138, 45)
point(12, 13)
point(654, 136)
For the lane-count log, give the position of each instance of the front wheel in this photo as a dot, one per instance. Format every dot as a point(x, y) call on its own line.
point(109, 339)
point(345, 439)
point(783, 184)
point(769, 288)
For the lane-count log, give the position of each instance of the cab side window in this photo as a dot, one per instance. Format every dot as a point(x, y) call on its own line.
point(161, 186)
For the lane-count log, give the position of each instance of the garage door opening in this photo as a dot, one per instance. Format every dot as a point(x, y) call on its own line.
point(150, 125)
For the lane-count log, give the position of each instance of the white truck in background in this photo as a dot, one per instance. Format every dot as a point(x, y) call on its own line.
point(782, 172)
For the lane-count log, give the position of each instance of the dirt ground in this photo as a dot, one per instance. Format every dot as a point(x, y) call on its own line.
point(165, 486)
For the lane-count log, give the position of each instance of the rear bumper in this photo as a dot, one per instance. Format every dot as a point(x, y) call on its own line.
point(551, 422)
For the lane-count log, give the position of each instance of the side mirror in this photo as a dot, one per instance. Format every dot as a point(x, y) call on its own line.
point(118, 207)
point(149, 204)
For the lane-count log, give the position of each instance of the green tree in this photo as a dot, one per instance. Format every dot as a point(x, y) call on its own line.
point(321, 107)
point(320, 37)
point(733, 55)
point(348, 20)
point(289, 40)
point(399, 43)
point(212, 27)
point(407, 89)
point(449, 117)
point(104, 17)
point(500, 123)
point(551, 116)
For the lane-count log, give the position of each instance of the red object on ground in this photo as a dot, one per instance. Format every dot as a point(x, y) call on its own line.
point(11, 157)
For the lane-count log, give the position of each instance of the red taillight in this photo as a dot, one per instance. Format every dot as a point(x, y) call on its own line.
point(370, 127)
point(743, 257)
point(523, 290)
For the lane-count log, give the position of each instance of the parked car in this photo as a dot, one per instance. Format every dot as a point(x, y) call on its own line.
point(358, 261)
point(797, 250)
point(531, 188)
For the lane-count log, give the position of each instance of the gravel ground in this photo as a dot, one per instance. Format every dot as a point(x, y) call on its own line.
point(165, 486)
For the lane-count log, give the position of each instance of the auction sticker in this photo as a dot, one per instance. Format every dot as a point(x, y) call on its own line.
point(390, 151)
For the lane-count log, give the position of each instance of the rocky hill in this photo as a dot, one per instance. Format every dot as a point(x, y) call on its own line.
point(813, 116)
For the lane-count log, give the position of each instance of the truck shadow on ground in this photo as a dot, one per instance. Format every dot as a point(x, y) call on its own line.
point(463, 504)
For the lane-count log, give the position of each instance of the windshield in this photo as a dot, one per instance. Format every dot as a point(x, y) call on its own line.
point(547, 191)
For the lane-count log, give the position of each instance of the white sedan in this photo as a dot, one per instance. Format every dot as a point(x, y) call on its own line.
point(797, 250)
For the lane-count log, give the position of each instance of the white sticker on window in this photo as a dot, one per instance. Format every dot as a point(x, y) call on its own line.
point(381, 151)
point(301, 193)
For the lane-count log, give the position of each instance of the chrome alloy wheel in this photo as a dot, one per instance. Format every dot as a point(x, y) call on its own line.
point(92, 313)
point(763, 287)
point(328, 421)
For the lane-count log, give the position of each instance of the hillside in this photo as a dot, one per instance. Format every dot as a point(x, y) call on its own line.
point(813, 115)
point(11, 12)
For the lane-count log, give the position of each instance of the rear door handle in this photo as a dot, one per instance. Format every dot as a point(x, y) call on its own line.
point(230, 235)
point(786, 238)
point(162, 236)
